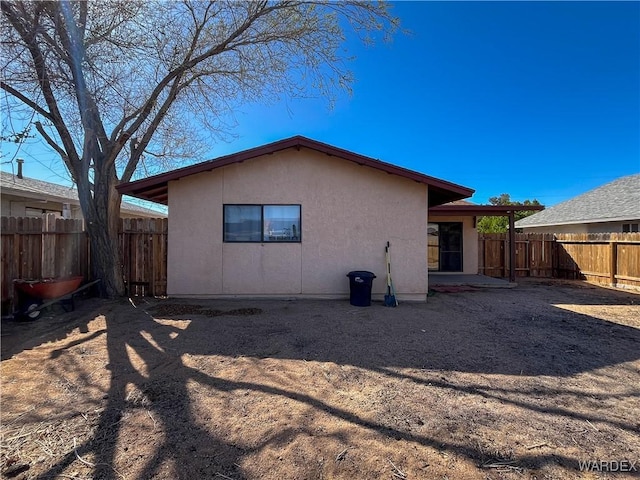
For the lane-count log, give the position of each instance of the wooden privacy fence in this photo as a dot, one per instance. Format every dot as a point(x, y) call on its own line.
point(606, 258)
point(143, 243)
point(36, 248)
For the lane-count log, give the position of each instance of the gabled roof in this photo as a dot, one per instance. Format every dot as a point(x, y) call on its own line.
point(156, 188)
point(616, 201)
point(53, 192)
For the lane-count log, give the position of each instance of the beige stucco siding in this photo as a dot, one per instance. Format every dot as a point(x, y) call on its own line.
point(194, 252)
point(260, 268)
point(348, 213)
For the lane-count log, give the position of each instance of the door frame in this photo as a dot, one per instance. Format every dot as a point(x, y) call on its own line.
point(439, 269)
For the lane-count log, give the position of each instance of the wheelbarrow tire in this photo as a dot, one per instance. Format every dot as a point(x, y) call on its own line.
point(30, 313)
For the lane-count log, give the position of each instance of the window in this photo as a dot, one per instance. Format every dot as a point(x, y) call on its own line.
point(629, 227)
point(39, 212)
point(281, 223)
point(262, 223)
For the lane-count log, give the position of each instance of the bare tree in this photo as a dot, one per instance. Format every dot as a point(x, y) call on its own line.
point(114, 82)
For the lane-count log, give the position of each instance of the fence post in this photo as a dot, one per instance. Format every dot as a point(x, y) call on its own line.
point(512, 248)
point(613, 267)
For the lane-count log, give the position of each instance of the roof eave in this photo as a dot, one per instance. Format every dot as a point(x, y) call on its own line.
point(441, 191)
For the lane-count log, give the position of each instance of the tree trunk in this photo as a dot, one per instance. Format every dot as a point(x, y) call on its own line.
point(101, 210)
point(105, 258)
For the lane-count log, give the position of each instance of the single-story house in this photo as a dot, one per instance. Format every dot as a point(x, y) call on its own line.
point(613, 207)
point(294, 217)
point(27, 197)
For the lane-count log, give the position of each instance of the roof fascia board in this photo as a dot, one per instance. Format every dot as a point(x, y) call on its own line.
point(139, 186)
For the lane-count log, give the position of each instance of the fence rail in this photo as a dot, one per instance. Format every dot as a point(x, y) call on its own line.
point(36, 248)
point(606, 258)
point(49, 247)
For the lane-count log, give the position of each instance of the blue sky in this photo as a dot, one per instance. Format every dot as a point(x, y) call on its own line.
point(535, 99)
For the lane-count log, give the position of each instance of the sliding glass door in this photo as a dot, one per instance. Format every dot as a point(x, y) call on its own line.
point(444, 247)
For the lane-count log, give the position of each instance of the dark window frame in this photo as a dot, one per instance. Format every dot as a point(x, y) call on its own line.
point(262, 207)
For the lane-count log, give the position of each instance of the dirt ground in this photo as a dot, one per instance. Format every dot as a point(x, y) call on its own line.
point(484, 384)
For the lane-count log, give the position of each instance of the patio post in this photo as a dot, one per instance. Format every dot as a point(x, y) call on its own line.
point(512, 247)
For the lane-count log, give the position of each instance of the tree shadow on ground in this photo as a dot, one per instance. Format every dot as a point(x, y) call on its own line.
point(193, 451)
point(539, 340)
point(55, 323)
point(474, 336)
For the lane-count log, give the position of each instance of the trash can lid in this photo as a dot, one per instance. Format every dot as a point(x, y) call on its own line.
point(361, 273)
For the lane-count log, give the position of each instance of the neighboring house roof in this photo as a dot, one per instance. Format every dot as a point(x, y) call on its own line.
point(41, 190)
point(156, 188)
point(616, 201)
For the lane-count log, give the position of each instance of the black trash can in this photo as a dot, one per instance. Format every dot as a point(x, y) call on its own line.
point(360, 288)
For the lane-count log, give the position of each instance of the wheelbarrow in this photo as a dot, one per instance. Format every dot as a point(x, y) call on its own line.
point(36, 295)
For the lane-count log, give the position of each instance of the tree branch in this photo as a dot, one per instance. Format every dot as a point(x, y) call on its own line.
point(51, 142)
point(172, 80)
point(26, 100)
point(30, 40)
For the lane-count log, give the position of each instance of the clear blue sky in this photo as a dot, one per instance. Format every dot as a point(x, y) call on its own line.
point(536, 99)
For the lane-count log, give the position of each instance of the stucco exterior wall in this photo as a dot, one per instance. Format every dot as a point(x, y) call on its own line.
point(469, 242)
point(14, 206)
point(8, 211)
point(348, 214)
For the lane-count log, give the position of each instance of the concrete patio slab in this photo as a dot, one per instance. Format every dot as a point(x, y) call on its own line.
point(437, 279)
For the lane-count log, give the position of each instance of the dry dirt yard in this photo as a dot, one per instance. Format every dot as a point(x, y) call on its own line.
point(487, 384)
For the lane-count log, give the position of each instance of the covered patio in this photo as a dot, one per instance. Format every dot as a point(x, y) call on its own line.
point(471, 210)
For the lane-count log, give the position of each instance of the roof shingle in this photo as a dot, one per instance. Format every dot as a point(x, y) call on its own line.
point(53, 191)
point(615, 201)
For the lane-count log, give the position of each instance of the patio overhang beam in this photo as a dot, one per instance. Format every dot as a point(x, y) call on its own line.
point(481, 210)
